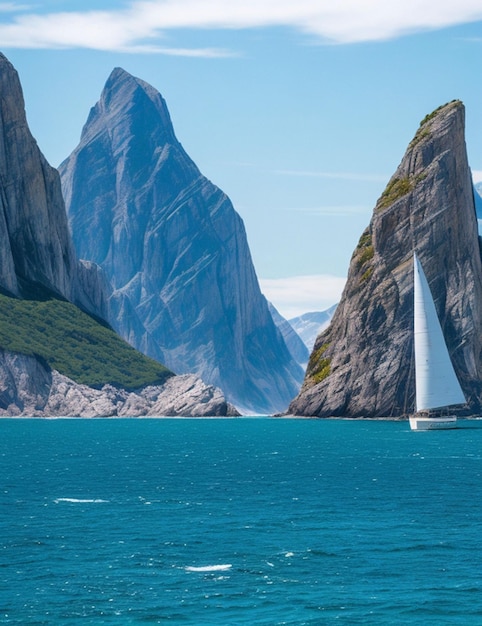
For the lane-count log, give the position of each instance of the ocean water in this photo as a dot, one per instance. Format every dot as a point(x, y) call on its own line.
point(239, 521)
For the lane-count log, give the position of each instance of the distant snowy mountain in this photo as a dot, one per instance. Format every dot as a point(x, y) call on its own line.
point(478, 202)
point(296, 346)
point(309, 325)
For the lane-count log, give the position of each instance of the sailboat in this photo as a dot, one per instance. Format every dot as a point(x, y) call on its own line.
point(436, 384)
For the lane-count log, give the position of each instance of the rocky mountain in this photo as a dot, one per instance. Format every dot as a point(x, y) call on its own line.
point(362, 365)
point(57, 357)
point(309, 325)
point(174, 249)
point(294, 343)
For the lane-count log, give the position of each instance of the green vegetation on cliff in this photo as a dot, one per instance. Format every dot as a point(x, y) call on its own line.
point(319, 367)
point(435, 112)
point(364, 250)
point(74, 344)
point(424, 128)
point(397, 188)
point(364, 253)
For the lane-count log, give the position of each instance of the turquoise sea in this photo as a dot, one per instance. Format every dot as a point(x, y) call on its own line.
point(239, 521)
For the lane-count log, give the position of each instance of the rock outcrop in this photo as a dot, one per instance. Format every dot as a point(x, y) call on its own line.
point(362, 365)
point(174, 249)
point(30, 389)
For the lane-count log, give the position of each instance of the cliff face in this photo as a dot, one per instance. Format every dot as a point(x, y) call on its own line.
point(30, 193)
point(362, 365)
point(185, 290)
point(36, 249)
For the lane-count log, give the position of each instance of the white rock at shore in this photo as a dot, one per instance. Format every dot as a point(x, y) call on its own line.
point(28, 389)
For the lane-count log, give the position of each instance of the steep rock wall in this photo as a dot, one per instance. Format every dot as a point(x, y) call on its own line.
point(30, 193)
point(362, 365)
point(174, 249)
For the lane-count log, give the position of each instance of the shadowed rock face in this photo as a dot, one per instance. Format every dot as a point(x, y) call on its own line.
point(36, 245)
point(362, 365)
point(36, 251)
point(185, 290)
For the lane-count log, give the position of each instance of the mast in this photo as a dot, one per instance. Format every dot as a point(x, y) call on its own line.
point(436, 384)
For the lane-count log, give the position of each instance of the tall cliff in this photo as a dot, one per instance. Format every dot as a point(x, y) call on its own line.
point(36, 249)
point(55, 359)
point(175, 250)
point(362, 365)
point(29, 193)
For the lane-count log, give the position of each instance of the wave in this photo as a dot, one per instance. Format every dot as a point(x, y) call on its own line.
point(208, 568)
point(80, 500)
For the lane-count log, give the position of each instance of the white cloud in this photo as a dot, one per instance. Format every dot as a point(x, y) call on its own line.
point(301, 294)
point(139, 25)
point(477, 176)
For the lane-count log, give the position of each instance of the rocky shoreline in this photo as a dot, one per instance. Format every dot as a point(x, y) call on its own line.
point(21, 395)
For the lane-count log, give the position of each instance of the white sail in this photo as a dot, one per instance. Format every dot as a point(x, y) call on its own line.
point(436, 384)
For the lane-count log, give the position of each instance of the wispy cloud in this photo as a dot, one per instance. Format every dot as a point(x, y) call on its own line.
point(353, 176)
point(206, 53)
point(333, 211)
point(14, 7)
point(141, 23)
point(300, 294)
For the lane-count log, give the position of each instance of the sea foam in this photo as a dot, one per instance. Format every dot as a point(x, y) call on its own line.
point(80, 500)
point(209, 568)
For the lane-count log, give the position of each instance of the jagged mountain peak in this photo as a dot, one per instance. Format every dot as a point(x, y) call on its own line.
point(362, 365)
point(120, 81)
point(175, 250)
point(140, 106)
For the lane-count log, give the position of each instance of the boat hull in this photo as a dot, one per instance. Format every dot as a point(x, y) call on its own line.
point(432, 423)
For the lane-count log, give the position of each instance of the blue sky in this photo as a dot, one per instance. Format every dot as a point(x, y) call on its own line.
point(300, 111)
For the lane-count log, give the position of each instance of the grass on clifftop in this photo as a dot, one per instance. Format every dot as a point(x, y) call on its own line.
point(74, 344)
point(424, 128)
point(448, 105)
